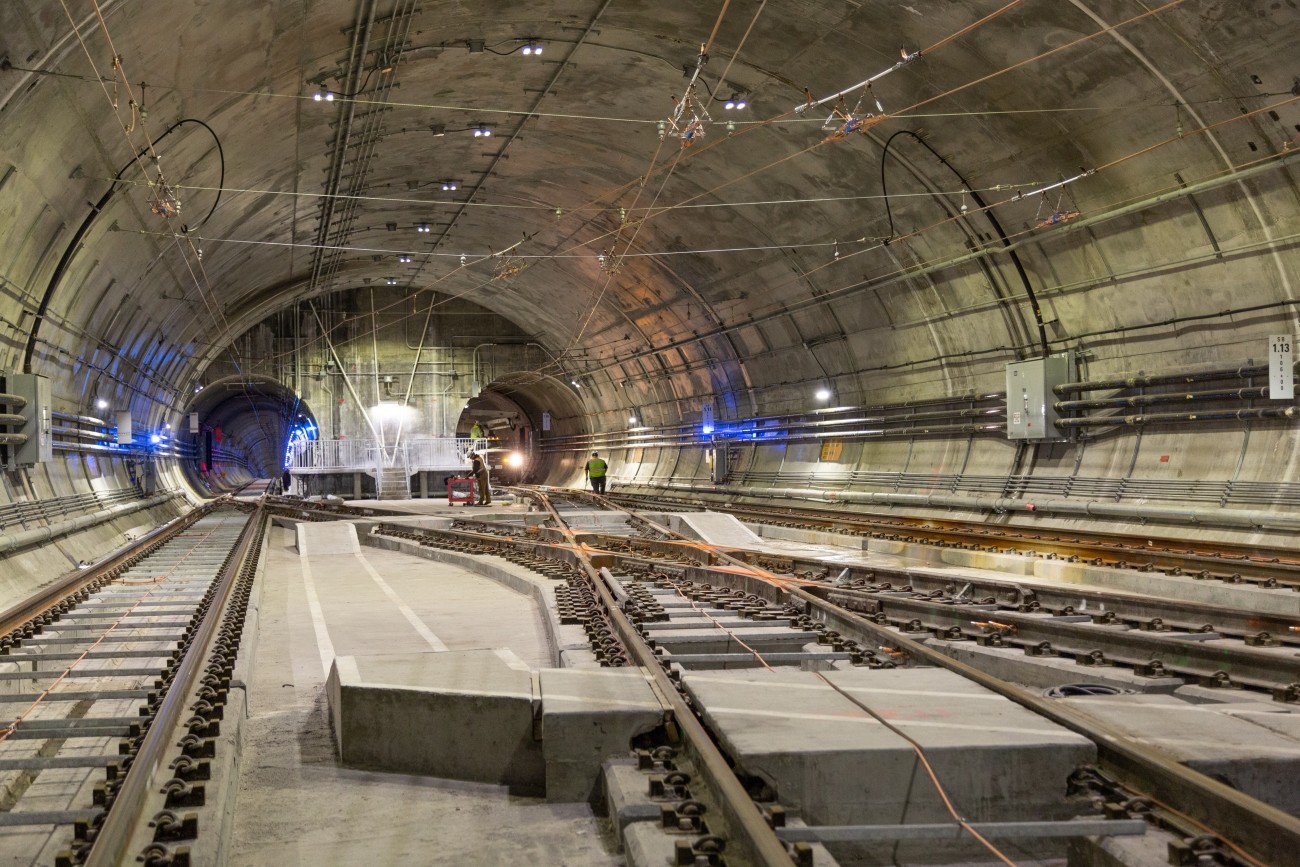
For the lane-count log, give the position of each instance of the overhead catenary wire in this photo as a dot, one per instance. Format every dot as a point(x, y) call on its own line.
point(834, 293)
point(609, 273)
point(161, 184)
point(661, 211)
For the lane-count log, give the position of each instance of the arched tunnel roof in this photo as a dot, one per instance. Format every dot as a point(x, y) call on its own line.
point(1017, 178)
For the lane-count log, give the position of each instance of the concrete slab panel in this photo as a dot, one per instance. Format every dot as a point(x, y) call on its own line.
point(1282, 602)
point(323, 538)
point(830, 759)
point(460, 715)
point(1252, 746)
point(588, 717)
point(716, 529)
point(1014, 665)
point(693, 640)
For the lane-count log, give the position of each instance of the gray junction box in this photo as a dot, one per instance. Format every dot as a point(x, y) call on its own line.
point(37, 424)
point(1031, 403)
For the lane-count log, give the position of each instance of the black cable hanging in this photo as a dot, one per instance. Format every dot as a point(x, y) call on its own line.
point(984, 208)
point(97, 209)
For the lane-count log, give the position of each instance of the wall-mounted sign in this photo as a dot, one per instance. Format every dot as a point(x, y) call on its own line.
point(1281, 382)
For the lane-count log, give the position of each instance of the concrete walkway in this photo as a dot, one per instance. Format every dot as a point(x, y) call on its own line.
point(296, 805)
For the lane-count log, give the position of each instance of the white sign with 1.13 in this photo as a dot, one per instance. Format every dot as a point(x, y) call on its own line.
point(1281, 384)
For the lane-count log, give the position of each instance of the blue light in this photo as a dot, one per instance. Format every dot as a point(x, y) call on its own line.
point(299, 435)
point(155, 439)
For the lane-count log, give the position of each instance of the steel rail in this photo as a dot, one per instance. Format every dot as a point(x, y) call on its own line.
point(74, 582)
point(1159, 552)
point(1265, 832)
point(1258, 828)
point(962, 589)
point(1137, 647)
point(1261, 830)
point(120, 824)
point(741, 813)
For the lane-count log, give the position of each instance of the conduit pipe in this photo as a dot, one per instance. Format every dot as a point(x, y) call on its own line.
point(14, 400)
point(1254, 519)
point(1149, 399)
point(10, 542)
point(634, 440)
point(12, 439)
point(12, 418)
point(1177, 376)
point(78, 433)
point(79, 419)
point(1177, 417)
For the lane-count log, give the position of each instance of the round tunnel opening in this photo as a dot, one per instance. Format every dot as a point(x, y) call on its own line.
point(245, 426)
point(522, 422)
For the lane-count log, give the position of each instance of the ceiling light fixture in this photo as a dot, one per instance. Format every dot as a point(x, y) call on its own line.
point(463, 260)
point(532, 46)
point(404, 258)
point(323, 94)
point(823, 394)
point(423, 228)
point(450, 186)
point(438, 129)
point(736, 102)
point(482, 131)
point(391, 281)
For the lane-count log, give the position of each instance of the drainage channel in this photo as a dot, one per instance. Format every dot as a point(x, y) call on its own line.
point(85, 684)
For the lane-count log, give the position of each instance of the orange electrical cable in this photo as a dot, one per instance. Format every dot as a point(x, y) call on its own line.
point(972, 26)
point(731, 636)
point(12, 727)
point(717, 24)
point(929, 770)
point(7, 730)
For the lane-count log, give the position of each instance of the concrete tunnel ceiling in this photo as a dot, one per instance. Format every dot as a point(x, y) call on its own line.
point(1111, 176)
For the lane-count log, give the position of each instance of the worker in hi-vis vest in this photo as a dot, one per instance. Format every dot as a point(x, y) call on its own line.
point(594, 470)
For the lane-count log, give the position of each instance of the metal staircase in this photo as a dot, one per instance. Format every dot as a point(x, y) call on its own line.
point(394, 483)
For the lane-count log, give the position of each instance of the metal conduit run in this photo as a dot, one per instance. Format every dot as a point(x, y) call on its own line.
point(1149, 399)
point(1178, 417)
point(832, 423)
point(1176, 377)
point(1186, 375)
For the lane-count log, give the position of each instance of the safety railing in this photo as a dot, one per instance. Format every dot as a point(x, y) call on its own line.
point(332, 455)
point(369, 456)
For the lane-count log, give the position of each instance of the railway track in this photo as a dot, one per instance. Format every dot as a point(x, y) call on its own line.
point(653, 598)
point(113, 684)
point(1236, 564)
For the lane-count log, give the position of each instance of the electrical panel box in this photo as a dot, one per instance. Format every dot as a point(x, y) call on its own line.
point(37, 424)
point(1031, 402)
